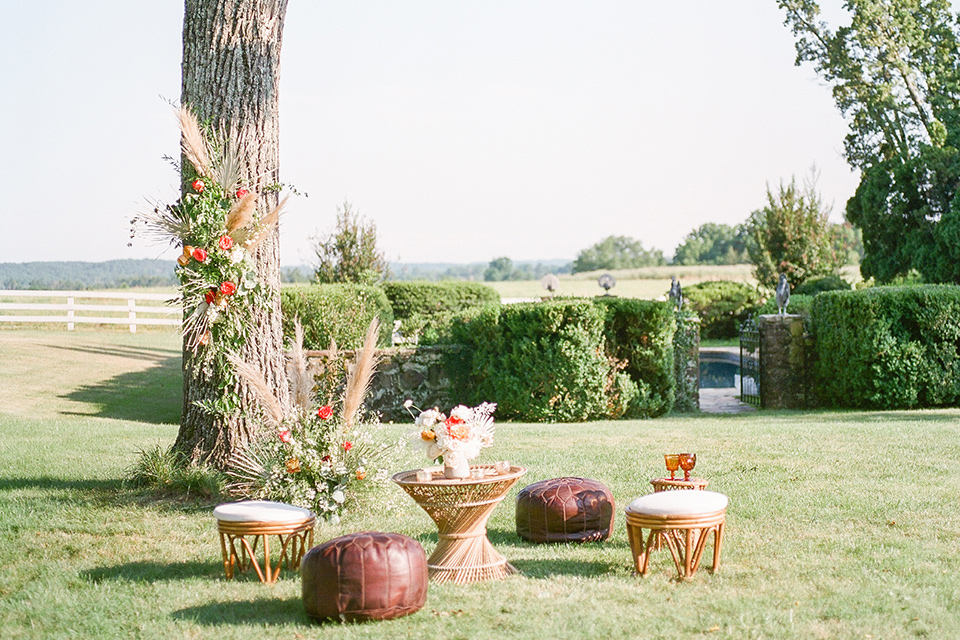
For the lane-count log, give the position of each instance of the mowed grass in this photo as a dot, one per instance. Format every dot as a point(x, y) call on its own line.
point(841, 525)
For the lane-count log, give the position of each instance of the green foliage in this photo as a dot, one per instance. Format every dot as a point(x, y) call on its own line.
point(170, 473)
point(888, 347)
point(713, 243)
point(349, 253)
point(721, 305)
point(895, 74)
point(426, 308)
point(814, 286)
point(338, 312)
point(617, 252)
point(686, 343)
point(566, 360)
point(500, 269)
point(791, 235)
point(638, 337)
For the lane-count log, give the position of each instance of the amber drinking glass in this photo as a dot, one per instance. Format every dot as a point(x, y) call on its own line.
point(673, 463)
point(687, 462)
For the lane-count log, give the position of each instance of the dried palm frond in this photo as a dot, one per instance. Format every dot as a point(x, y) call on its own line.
point(272, 409)
point(165, 224)
point(267, 224)
point(227, 163)
point(241, 215)
point(358, 380)
point(298, 371)
point(193, 142)
point(249, 473)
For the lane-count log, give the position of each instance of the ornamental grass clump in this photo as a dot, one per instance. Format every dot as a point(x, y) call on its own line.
point(312, 456)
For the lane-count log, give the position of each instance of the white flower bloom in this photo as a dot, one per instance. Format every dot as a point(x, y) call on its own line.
point(237, 254)
point(429, 418)
point(338, 496)
point(407, 403)
point(334, 519)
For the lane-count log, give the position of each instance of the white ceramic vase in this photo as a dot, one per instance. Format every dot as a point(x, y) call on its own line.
point(455, 465)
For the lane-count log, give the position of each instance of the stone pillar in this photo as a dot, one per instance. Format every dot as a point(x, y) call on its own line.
point(783, 358)
point(686, 364)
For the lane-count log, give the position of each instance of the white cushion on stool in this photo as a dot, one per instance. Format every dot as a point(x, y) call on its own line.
point(260, 511)
point(678, 503)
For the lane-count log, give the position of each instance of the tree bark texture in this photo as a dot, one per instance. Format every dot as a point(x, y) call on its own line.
point(230, 79)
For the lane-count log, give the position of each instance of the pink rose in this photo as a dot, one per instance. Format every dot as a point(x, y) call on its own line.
point(228, 288)
point(242, 192)
point(285, 435)
point(347, 445)
point(198, 186)
point(325, 412)
point(226, 242)
point(200, 254)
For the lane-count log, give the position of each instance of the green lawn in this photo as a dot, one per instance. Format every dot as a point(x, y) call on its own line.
point(840, 525)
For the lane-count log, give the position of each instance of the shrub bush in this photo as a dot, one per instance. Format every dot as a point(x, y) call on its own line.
point(818, 285)
point(722, 306)
point(566, 359)
point(340, 312)
point(639, 337)
point(425, 309)
point(537, 361)
point(888, 347)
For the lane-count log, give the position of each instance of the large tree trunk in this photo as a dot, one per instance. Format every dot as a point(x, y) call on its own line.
point(231, 77)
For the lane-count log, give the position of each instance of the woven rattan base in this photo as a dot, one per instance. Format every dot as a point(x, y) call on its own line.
point(238, 552)
point(684, 535)
point(461, 509)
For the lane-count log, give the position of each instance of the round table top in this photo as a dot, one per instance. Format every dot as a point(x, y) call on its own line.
point(409, 477)
point(679, 483)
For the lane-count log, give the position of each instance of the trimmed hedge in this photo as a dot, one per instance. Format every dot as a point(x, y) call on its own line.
point(721, 305)
point(567, 359)
point(426, 309)
point(799, 305)
point(639, 334)
point(888, 347)
point(818, 285)
point(341, 312)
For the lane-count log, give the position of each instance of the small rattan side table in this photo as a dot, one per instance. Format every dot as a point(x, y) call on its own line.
point(670, 484)
point(260, 519)
point(461, 508)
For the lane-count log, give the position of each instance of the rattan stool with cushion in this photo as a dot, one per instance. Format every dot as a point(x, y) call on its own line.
point(364, 576)
point(683, 519)
point(258, 520)
point(565, 510)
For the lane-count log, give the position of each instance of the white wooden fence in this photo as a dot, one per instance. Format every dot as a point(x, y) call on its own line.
point(99, 303)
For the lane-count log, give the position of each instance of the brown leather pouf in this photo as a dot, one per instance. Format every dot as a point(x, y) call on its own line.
point(565, 510)
point(364, 576)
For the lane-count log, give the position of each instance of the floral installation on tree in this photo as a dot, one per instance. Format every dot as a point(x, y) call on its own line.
point(314, 457)
point(455, 440)
point(215, 224)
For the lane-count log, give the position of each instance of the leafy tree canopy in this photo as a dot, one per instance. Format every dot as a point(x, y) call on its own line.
point(349, 253)
point(895, 74)
point(713, 243)
point(617, 252)
point(792, 235)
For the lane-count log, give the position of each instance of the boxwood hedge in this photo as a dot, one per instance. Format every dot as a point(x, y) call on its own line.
point(340, 312)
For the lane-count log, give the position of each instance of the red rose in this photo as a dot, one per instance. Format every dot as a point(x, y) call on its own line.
point(285, 435)
point(347, 445)
point(200, 254)
point(226, 242)
point(210, 296)
point(452, 421)
point(228, 288)
point(198, 185)
point(242, 192)
point(325, 412)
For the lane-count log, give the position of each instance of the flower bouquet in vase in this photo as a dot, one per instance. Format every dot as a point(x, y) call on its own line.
point(455, 440)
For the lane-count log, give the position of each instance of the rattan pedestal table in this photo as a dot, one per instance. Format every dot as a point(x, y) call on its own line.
point(461, 509)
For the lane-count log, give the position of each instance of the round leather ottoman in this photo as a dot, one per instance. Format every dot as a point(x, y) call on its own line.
point(565, 510)
point(364, 576)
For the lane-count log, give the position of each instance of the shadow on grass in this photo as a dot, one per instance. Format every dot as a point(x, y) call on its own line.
point(154, 571)
point(154, 395)
point(262, 611)
point(96, 487)
point(545, 569)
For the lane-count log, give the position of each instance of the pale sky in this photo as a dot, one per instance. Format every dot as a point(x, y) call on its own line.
point(466, 130)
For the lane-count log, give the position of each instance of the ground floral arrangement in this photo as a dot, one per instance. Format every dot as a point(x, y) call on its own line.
point(318, 457)
point(215, 224)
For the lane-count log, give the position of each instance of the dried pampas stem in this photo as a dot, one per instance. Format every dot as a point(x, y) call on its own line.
point(193, 143)
point(301, 382)
point(241, 214)
point(267, 223)
point(358, 381)
point(273, 411)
